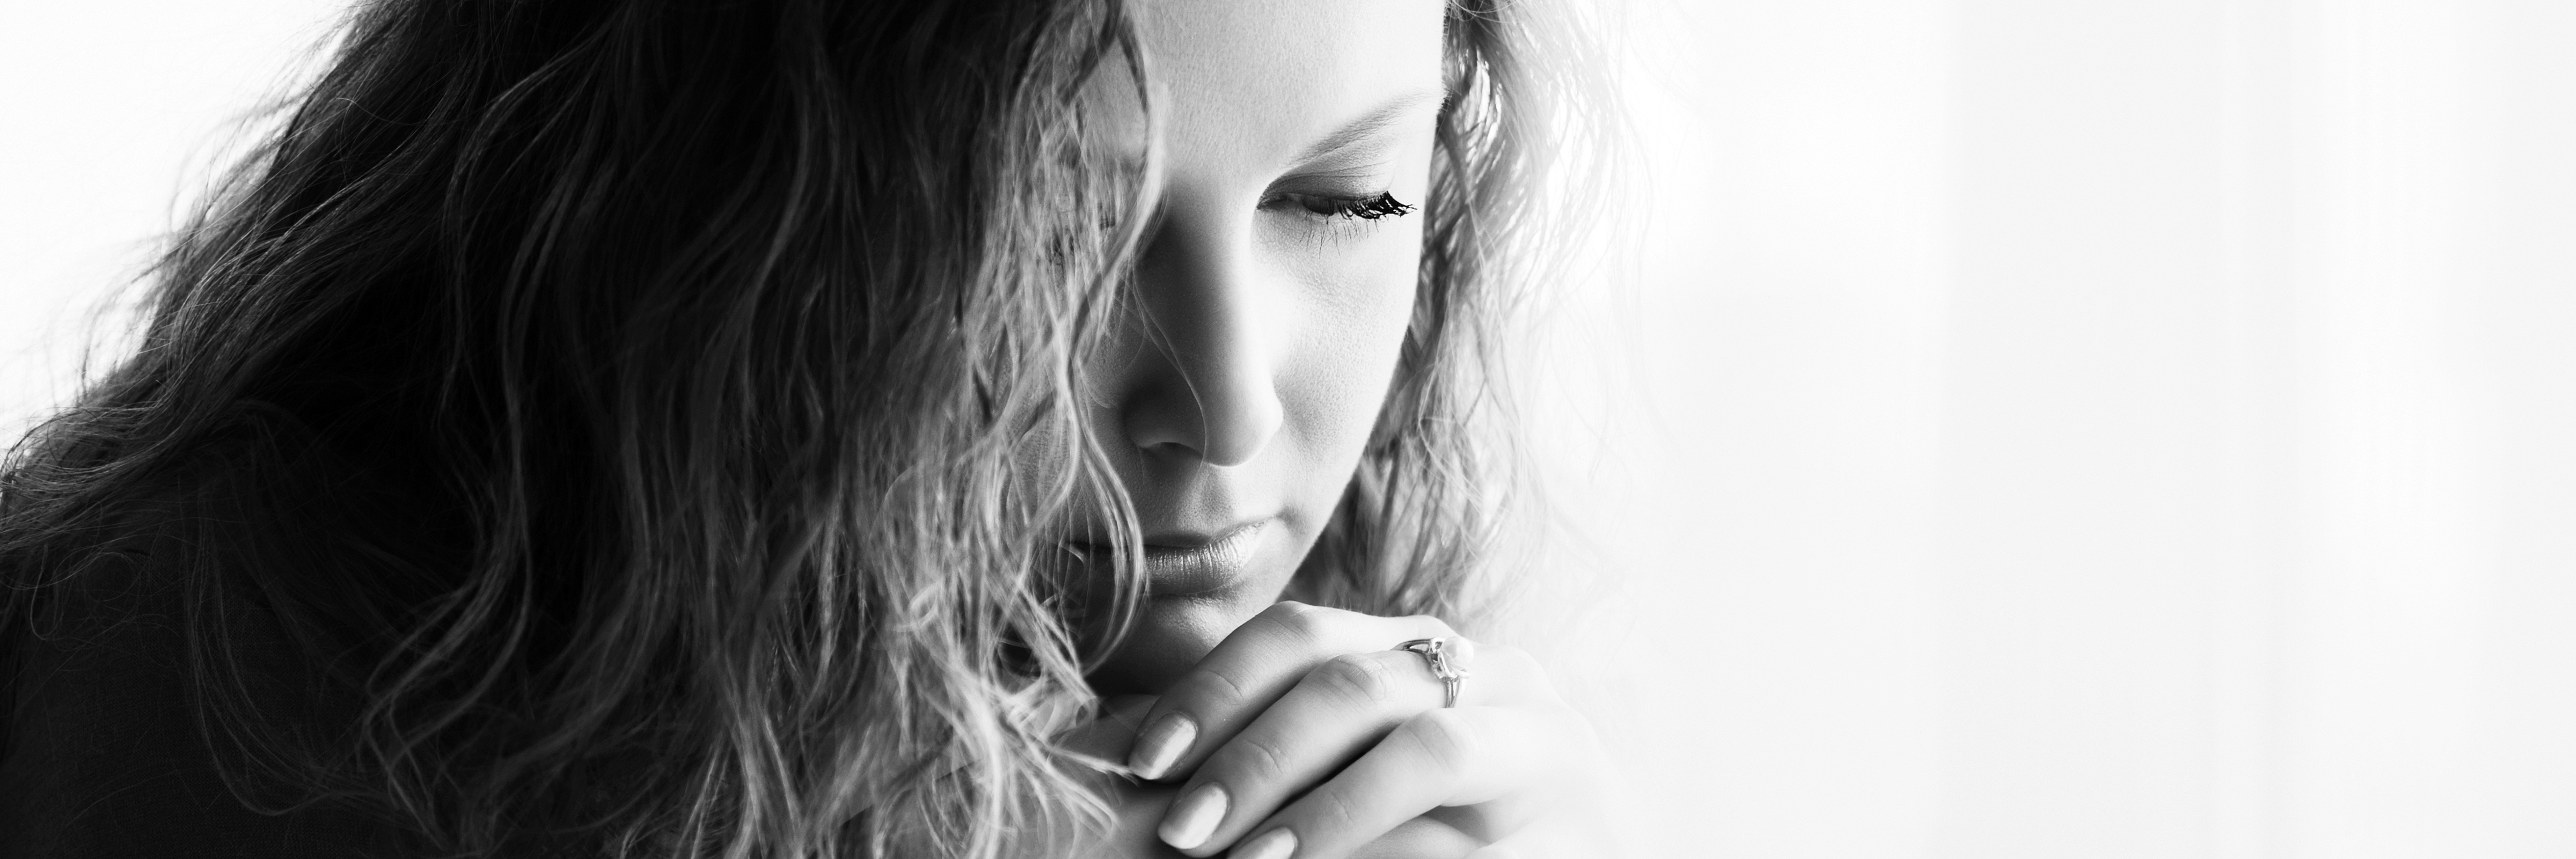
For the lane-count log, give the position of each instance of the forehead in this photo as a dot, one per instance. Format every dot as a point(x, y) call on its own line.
point(1259, 80)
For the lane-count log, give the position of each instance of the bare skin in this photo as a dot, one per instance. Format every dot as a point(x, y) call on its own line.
point(1235, 400)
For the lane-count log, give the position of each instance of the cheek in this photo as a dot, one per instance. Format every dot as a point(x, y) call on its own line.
point(1355, 311)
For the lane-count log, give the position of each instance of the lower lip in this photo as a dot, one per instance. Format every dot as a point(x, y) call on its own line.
point(1177, 571)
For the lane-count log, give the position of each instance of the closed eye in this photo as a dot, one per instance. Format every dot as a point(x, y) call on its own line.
point(1368, 208)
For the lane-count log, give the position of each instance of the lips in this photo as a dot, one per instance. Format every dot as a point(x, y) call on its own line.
point(1185, 564)
point(1190, 565)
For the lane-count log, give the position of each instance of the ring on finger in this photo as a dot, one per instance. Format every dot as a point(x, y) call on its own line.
point(1447, 656)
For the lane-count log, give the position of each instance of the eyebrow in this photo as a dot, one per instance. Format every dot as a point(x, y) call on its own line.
point(1367, 125)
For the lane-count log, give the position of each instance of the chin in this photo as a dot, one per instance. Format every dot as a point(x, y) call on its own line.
point(1173, 632)
point(1197, 590)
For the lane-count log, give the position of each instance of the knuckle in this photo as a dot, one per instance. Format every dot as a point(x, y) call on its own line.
point(1255, 760)
point(1503, 663)
point(1212, 691)
point(1332, 811)
point(1300, 622)
point(1444, 738)
point(1328, 814)
point(1360, 679)
point(1430, 622)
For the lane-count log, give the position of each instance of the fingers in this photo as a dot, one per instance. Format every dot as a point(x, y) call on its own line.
point(1249, 670)
point(1333, 715)
point(1300, 693)
point(1419, 838)
point(1441, 757)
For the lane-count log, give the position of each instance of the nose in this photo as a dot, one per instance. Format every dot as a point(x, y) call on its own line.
point(1205, 388)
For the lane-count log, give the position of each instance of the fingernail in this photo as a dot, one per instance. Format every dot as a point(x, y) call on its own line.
point(1274, 844)
point(1161, 745)
point(1194, 818)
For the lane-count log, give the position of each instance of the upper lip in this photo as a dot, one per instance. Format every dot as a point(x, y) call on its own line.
point(1176, 540)
point(1187, 540)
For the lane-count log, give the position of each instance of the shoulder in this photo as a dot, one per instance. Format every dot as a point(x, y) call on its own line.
point(107, 753)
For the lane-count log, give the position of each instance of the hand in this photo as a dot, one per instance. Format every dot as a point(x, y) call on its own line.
point(1138, 807)
point(1303, 735)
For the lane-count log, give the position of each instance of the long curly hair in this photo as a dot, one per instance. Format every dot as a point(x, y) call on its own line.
point(616, 402)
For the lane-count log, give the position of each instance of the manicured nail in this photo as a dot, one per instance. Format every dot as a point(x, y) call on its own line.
point(1194, 818)
point(1274, 844)
point(1161, 745)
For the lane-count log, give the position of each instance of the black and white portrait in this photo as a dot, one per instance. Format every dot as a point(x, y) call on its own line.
point(1507, 429)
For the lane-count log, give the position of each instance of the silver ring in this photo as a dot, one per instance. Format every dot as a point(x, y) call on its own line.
point(1436, 652)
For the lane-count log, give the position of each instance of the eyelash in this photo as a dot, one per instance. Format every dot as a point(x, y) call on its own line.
point(1363, 208)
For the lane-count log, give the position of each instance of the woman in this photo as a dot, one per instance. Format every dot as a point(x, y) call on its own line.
point(816, 428)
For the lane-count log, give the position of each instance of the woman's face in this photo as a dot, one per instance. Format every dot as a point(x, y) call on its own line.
point(1273, 292)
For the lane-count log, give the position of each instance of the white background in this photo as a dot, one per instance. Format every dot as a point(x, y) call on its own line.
point(2016, 428)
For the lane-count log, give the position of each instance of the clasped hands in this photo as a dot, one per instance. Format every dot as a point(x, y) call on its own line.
point(1304, 735)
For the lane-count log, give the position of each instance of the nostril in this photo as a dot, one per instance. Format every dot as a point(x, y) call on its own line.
point(1238, 433)
point(1223, 428)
